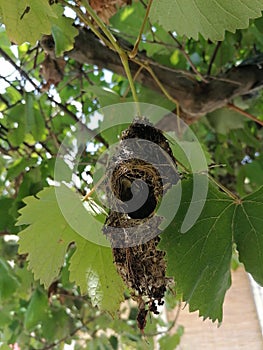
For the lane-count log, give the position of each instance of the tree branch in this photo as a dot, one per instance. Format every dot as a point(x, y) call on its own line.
point(246, 114)
point(195, 98)
point(213, 57)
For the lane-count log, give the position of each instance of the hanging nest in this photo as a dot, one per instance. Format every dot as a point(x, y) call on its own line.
point(142, 169)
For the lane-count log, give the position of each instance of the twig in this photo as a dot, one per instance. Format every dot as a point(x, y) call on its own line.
point(134, 79)
point(89, 194)
point(108, 40)
point(218, 184)
point(224, 189)
point(146, 66)
point(246, 114)
point(51, 133)
point(118, 49)
point(97, 137)
point(213, 57)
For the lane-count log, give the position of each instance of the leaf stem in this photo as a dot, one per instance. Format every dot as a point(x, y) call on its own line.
point(146, 66)
point(114, 44)
point(218, 184)
point(134, 51)
point(224, 189)
point(213, 57)
point(134, 79)
point(90, 193)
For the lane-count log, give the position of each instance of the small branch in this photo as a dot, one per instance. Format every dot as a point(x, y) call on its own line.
point(48, 120)
point(64, 108)
point(109, 40)
point(157, 81)
point(218, 184)
point(246, 114)
point(134, 51)
point(113, 44)
point(125, 63)
point(11, 84)
point(134, 79)
point(224, 189)
point(213, 57)
point(89, 194)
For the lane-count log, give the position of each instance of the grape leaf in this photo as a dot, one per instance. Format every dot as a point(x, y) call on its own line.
point(96, 274)
point(47, 238)
point(199, 260)
point(36, 309)
point(63, 32)
point(248, 233)
point(33, 119)
point(26, 20)
point(170, 342)
point(46, 241)
point(6, 219)
point(105, 96)
point(211, 18)
point(8, 281)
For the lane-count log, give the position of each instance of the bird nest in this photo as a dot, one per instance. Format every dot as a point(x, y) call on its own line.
point(142, 169)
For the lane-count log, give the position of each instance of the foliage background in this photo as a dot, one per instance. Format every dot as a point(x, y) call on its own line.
point(54, 287)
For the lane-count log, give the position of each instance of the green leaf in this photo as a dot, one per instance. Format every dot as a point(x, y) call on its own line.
point(129, 19)
point(223, 120)
point(190, 154)
point(37, 308)
point(199, 259)
point(6, 220)
point(47, 238)
point(64, 173)
point(63, 32)
point(170, 342)
point(16, 119)
point(8, 281)
point(26, 20)
point(250, 172)
point(26, 281)
point(96, 275)
point(148, 96)
point(34, 122)
point(211, 18)
point(58, 325)
point(5, 42)
point(105, 96)
point(19, 165)
point(25, 119)
point(248, 233)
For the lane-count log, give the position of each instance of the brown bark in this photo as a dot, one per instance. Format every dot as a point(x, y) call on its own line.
point(196, 98)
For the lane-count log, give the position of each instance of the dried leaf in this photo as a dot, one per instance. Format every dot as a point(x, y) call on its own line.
point(106, 9)
point(52, 71)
